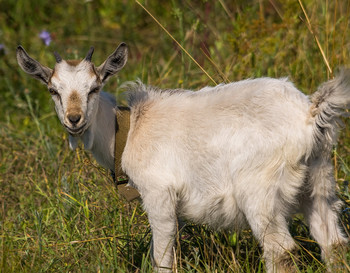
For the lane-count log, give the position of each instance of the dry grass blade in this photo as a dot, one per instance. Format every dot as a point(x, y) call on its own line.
point(308, 24)
point(182, 48)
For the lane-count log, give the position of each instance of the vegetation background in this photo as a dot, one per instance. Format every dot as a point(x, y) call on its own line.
point(59, 211)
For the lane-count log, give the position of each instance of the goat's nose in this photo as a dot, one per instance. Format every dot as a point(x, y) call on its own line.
point(74, 119)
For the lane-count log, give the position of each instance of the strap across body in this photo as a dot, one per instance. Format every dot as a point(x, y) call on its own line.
point(120, 178)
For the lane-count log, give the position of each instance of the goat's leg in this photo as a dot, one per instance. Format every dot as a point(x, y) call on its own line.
point(267, 212)
point(162, 218)
point(321, 209)
point(278, 245)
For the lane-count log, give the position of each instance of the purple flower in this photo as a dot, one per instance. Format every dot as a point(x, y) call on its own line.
point(46, 37)
point(2, 49)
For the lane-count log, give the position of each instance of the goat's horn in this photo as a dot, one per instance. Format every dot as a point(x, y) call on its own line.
point(89, 54)
point(58, 57)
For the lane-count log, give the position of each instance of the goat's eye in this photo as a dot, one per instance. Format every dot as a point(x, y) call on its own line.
point(94, 91)
point(53, 92)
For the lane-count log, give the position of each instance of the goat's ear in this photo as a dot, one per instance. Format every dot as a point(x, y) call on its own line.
point(33, 67)
point(113, 63)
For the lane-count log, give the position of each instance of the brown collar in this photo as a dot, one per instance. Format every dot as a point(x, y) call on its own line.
point(122, 130)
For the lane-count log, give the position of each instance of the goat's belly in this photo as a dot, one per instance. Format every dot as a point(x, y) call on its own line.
point(220, 211)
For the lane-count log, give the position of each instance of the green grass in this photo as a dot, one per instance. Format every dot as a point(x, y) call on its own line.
point(59, 211)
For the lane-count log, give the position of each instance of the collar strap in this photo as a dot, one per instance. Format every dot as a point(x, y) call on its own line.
point(121, 179)
point(122, 130)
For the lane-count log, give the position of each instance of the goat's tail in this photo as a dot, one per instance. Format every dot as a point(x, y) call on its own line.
point(328, 104)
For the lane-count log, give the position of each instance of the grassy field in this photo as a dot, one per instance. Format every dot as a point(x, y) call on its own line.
point(59, 211)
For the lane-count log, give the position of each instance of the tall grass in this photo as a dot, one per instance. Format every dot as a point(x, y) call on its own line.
point(59, 211)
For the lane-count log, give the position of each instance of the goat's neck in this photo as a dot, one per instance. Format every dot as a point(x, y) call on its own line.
point(99, 139)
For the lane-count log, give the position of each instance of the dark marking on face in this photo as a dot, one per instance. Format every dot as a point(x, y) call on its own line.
point(74, 103)
point(73, 62)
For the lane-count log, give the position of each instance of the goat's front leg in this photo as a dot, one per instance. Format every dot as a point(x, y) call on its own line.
point(162, 217)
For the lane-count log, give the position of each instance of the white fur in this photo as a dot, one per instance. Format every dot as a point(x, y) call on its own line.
point(67, 79)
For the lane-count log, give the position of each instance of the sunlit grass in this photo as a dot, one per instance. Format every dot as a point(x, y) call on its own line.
point(59, 211)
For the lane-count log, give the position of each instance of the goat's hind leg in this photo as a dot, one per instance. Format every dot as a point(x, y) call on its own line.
point(321, 209)
point(267, 213)
point(270, 227)
point(277, 243)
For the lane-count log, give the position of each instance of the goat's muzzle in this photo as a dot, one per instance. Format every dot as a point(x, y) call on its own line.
point(74, 123)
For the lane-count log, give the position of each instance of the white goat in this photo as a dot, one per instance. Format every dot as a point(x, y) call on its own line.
point(250, 152)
